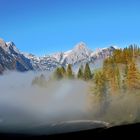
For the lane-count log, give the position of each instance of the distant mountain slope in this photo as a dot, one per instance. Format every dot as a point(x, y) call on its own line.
point(81, 54)
point(12, 59)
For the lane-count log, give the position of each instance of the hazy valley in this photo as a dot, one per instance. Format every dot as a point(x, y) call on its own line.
point(77, 85)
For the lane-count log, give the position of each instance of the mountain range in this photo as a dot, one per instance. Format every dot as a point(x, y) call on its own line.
point(13, 59)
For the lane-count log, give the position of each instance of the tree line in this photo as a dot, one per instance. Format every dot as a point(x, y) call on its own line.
point(120, 72)
point(84, 73)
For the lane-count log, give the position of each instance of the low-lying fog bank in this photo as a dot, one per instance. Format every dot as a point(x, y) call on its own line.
point(24, 106)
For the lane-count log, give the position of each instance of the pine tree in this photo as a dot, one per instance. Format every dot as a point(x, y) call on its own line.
point(42, 77)
point(100, 84)
point(118, 77)
point(35, 81)
point(69, 71)
point(58, 73)
point(80, 73)
point(63, 71)
point(132, 78)
point(40, 81)
point(87, 72)
point(112, 74)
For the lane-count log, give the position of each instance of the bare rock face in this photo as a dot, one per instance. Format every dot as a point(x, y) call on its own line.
point(12, 59)
point(2, 43)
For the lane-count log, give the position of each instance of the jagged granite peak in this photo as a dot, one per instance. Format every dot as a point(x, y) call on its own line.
point(7, 61)
point(3, 44)
point(80, 50)
point(12, 59)
point(8, 46)
point(77, 54)
point(12, 47)
point(82, 47)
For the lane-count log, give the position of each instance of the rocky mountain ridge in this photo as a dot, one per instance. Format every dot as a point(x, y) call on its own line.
point(13, 59)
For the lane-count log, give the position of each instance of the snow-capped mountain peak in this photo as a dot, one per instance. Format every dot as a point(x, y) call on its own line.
point(82, 47)
point(9, 47)
point(12, 47)
point(3, 44)
point(78, 53)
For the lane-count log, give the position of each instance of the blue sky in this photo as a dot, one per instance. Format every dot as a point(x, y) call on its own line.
point(46, 26)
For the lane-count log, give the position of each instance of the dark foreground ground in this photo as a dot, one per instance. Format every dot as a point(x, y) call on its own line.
point(131, 131)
